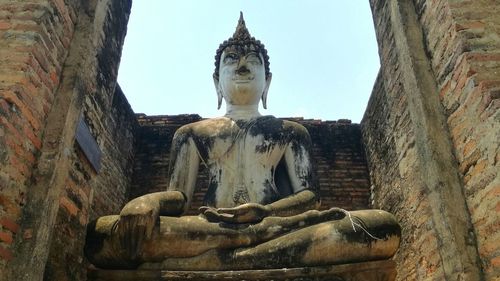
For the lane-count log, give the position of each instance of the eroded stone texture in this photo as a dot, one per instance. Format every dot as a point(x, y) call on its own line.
point(368, 271)
point(52, 53)
point(461, 39)
point(89, 194)
point(259, 208)
point(337, 156)
point(454, 46)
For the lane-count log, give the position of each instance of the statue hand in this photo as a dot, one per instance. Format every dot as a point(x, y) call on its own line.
point(137, 220)
point(246, 213)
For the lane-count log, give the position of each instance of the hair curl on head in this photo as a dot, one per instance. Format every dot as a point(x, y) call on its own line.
point(241, 37)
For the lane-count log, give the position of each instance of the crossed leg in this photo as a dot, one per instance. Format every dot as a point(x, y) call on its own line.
point(311, 238)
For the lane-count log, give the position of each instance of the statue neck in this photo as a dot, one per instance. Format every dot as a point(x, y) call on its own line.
point(242, 111)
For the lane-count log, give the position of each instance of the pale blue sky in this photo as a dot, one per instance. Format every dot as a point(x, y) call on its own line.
point(323, 55)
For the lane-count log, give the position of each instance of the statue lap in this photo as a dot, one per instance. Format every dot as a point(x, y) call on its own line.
point(309, 239)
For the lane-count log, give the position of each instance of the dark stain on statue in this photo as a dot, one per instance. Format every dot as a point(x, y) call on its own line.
point(286, 257)
point(203, 145)
point(270, 127)
point(264, 148)
point(282, 179)
point(94, 242)
point(271, 193)
point(209, 199)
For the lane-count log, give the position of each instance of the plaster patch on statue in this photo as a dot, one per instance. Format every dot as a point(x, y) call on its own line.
point(275, 229)
point(241, 196)
point(302, 166)
point(265, 147)
point(270, 193)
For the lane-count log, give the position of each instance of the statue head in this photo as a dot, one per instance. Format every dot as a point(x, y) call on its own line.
point(241, 74)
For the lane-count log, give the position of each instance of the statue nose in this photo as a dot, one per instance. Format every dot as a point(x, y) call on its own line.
point(242, 70)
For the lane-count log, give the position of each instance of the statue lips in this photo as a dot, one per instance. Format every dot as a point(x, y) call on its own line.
point(240, 79)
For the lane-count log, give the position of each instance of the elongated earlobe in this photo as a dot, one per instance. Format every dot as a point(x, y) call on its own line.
point(266, 89)
point(219, 99)
point(219, 92)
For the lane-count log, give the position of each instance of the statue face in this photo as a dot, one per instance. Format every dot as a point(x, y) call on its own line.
point(242, 79)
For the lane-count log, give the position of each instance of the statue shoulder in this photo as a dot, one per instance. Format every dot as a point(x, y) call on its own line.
point(295, 127)
point(202, 128)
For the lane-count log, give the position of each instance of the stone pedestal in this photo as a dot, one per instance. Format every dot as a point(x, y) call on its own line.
point(364, 271)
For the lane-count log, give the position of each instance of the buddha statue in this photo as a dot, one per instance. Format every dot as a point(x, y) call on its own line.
point(261, 204)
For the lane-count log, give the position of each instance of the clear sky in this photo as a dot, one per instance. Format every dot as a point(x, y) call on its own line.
point(323, 55)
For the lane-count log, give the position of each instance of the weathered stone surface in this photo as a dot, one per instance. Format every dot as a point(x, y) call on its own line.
point(367, 271)
point(89, 194)
point(461, 41)
point(260, 206)
point(457, 69)
point(49, 67)
point(338, 157)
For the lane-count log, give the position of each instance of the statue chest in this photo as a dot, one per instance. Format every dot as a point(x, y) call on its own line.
point(242, 170)
point(244, 152)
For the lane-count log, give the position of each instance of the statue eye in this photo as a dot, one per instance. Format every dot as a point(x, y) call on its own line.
point(253, 58)
point(231, 58)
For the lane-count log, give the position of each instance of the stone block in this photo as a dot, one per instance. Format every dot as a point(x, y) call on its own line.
point(366, 271)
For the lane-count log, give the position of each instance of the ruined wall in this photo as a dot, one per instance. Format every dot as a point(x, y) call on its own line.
point(435, 107)
point(464, 49)
point(338, 156)
point(340, 164)
point(116, 136)
point(33, 46)
point(59, 61)
point(88, 193)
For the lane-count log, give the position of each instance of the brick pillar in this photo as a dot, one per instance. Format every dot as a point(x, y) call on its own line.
point(84, 31)
point(425, 191)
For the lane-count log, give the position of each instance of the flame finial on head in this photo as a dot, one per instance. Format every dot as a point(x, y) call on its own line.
point(241, 37)
point(241, 33)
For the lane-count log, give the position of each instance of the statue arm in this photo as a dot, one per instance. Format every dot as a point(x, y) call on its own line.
point(184, 164)
point(139, 216)
point(298, 163)
point(294, 204)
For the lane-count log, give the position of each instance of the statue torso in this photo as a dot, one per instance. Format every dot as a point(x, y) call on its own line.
point(242, 157)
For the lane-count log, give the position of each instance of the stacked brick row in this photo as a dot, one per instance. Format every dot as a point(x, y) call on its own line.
point(35, 38)
point(390, 145)
point(338, 158)
point(390, 142)
point(464, 47)
point(58, 61)
point(89, 193)
point(339, 161)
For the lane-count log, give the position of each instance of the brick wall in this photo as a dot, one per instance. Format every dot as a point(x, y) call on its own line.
point(455, 112)
point(338, 156)
point(464, 48)
point(34, 45)
point(58, 61)
point(396, 186)
point(116, 135)
point(340, 164)
point(89, 194)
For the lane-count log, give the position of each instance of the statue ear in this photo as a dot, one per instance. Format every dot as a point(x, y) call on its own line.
point(218, 90)
point(266, 89)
